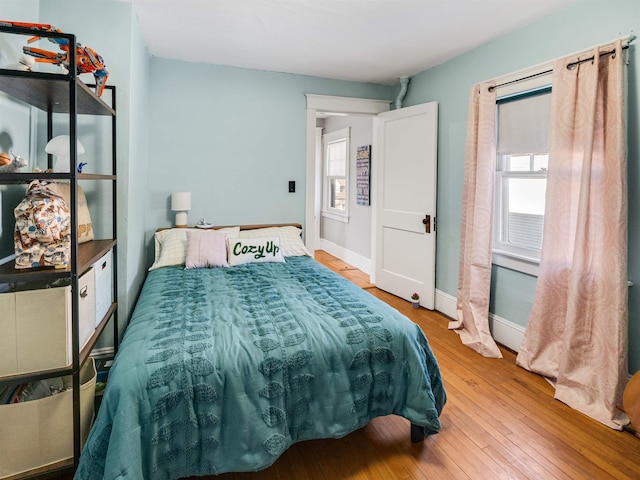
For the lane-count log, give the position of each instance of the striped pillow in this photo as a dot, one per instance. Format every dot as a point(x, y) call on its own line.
point(171, 245)
point(206, 249)
point(291, 244)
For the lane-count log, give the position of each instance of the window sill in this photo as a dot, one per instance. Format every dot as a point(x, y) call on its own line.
point(516, 262)
point(335, 216)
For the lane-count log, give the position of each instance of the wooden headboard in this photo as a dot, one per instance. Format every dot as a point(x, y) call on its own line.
point(242, 227)
point(254, 227)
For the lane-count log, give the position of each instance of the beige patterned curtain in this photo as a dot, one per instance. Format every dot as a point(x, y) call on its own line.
point(577, 332)
point(476, 236)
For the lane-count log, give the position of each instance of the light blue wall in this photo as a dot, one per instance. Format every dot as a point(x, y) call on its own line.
point(234, 138)
point(571, 30)
point(133, 184)
point(111, 29)
point(11, 195)
point(19, 10)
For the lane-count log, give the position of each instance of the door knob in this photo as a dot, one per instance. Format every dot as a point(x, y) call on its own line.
point(426, 221)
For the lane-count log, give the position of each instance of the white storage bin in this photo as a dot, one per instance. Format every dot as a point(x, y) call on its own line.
point(86, 306)
point(40, 432)
point(36, 326)
point(103, 270)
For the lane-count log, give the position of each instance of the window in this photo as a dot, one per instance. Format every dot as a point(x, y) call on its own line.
point(521, 179)
point(336, 174)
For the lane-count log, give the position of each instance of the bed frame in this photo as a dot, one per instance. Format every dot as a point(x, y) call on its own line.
point(417, 432)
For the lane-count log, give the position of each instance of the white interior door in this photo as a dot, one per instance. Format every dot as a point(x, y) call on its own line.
point(405, 242)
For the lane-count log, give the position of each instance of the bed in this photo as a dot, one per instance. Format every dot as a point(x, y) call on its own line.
point(222, 369)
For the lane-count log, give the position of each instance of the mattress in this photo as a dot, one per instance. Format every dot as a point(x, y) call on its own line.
point(222, 369)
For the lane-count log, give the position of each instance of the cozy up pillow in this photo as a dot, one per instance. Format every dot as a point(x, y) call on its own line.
point(206, 249)
point(290, 242)
point(254, 250)
point(171, 245)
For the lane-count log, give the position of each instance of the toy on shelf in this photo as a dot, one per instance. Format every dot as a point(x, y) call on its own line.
point(24, 63)
point(10, 163)
point(60, 147)
point(87, 60)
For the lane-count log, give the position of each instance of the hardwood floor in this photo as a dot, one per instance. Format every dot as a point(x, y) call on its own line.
point(500, 422)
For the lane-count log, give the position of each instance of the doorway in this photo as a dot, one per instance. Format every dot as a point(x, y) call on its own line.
point(338, 107)
point(402, 217)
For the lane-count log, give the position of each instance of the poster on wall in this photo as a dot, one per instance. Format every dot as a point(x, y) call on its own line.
point(363, 167)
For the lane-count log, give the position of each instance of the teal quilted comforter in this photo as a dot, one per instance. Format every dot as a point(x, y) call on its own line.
point(223, 369)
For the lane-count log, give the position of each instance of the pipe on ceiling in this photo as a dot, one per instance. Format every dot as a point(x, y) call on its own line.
point(404, 82)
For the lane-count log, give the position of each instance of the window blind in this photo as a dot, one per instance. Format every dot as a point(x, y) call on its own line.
point(523, 124)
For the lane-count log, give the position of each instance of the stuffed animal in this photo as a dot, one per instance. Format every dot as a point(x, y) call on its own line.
point(24, 63)
point(11, 165)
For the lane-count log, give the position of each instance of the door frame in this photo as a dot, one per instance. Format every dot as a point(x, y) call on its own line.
point(313, 197)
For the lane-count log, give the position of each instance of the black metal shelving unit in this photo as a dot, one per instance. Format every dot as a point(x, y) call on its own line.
point(57, 93)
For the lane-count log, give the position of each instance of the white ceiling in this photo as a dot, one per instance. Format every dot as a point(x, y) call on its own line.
point(359, 40)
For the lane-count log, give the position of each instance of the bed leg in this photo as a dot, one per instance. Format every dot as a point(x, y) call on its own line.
point(417, 433)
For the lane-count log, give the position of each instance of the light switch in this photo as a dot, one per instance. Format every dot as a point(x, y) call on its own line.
point(292, 186)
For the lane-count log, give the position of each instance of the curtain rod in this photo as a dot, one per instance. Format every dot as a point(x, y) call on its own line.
point(569, 66)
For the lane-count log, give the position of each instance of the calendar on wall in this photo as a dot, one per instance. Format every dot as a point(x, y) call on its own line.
point(363, 174)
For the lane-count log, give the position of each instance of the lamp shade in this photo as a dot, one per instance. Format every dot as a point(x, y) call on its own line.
point(181, 201)
point(60, 147)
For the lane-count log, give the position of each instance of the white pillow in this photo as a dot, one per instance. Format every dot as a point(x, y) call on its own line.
point(254, 250)
point(171, 245)
point(291, 244)
point(206, 249)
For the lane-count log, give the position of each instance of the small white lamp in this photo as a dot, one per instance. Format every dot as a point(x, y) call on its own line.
point(181, 204)
point(60, 147)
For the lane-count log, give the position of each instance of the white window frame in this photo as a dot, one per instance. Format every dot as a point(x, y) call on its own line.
point(509, 256)
point(342, 134)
